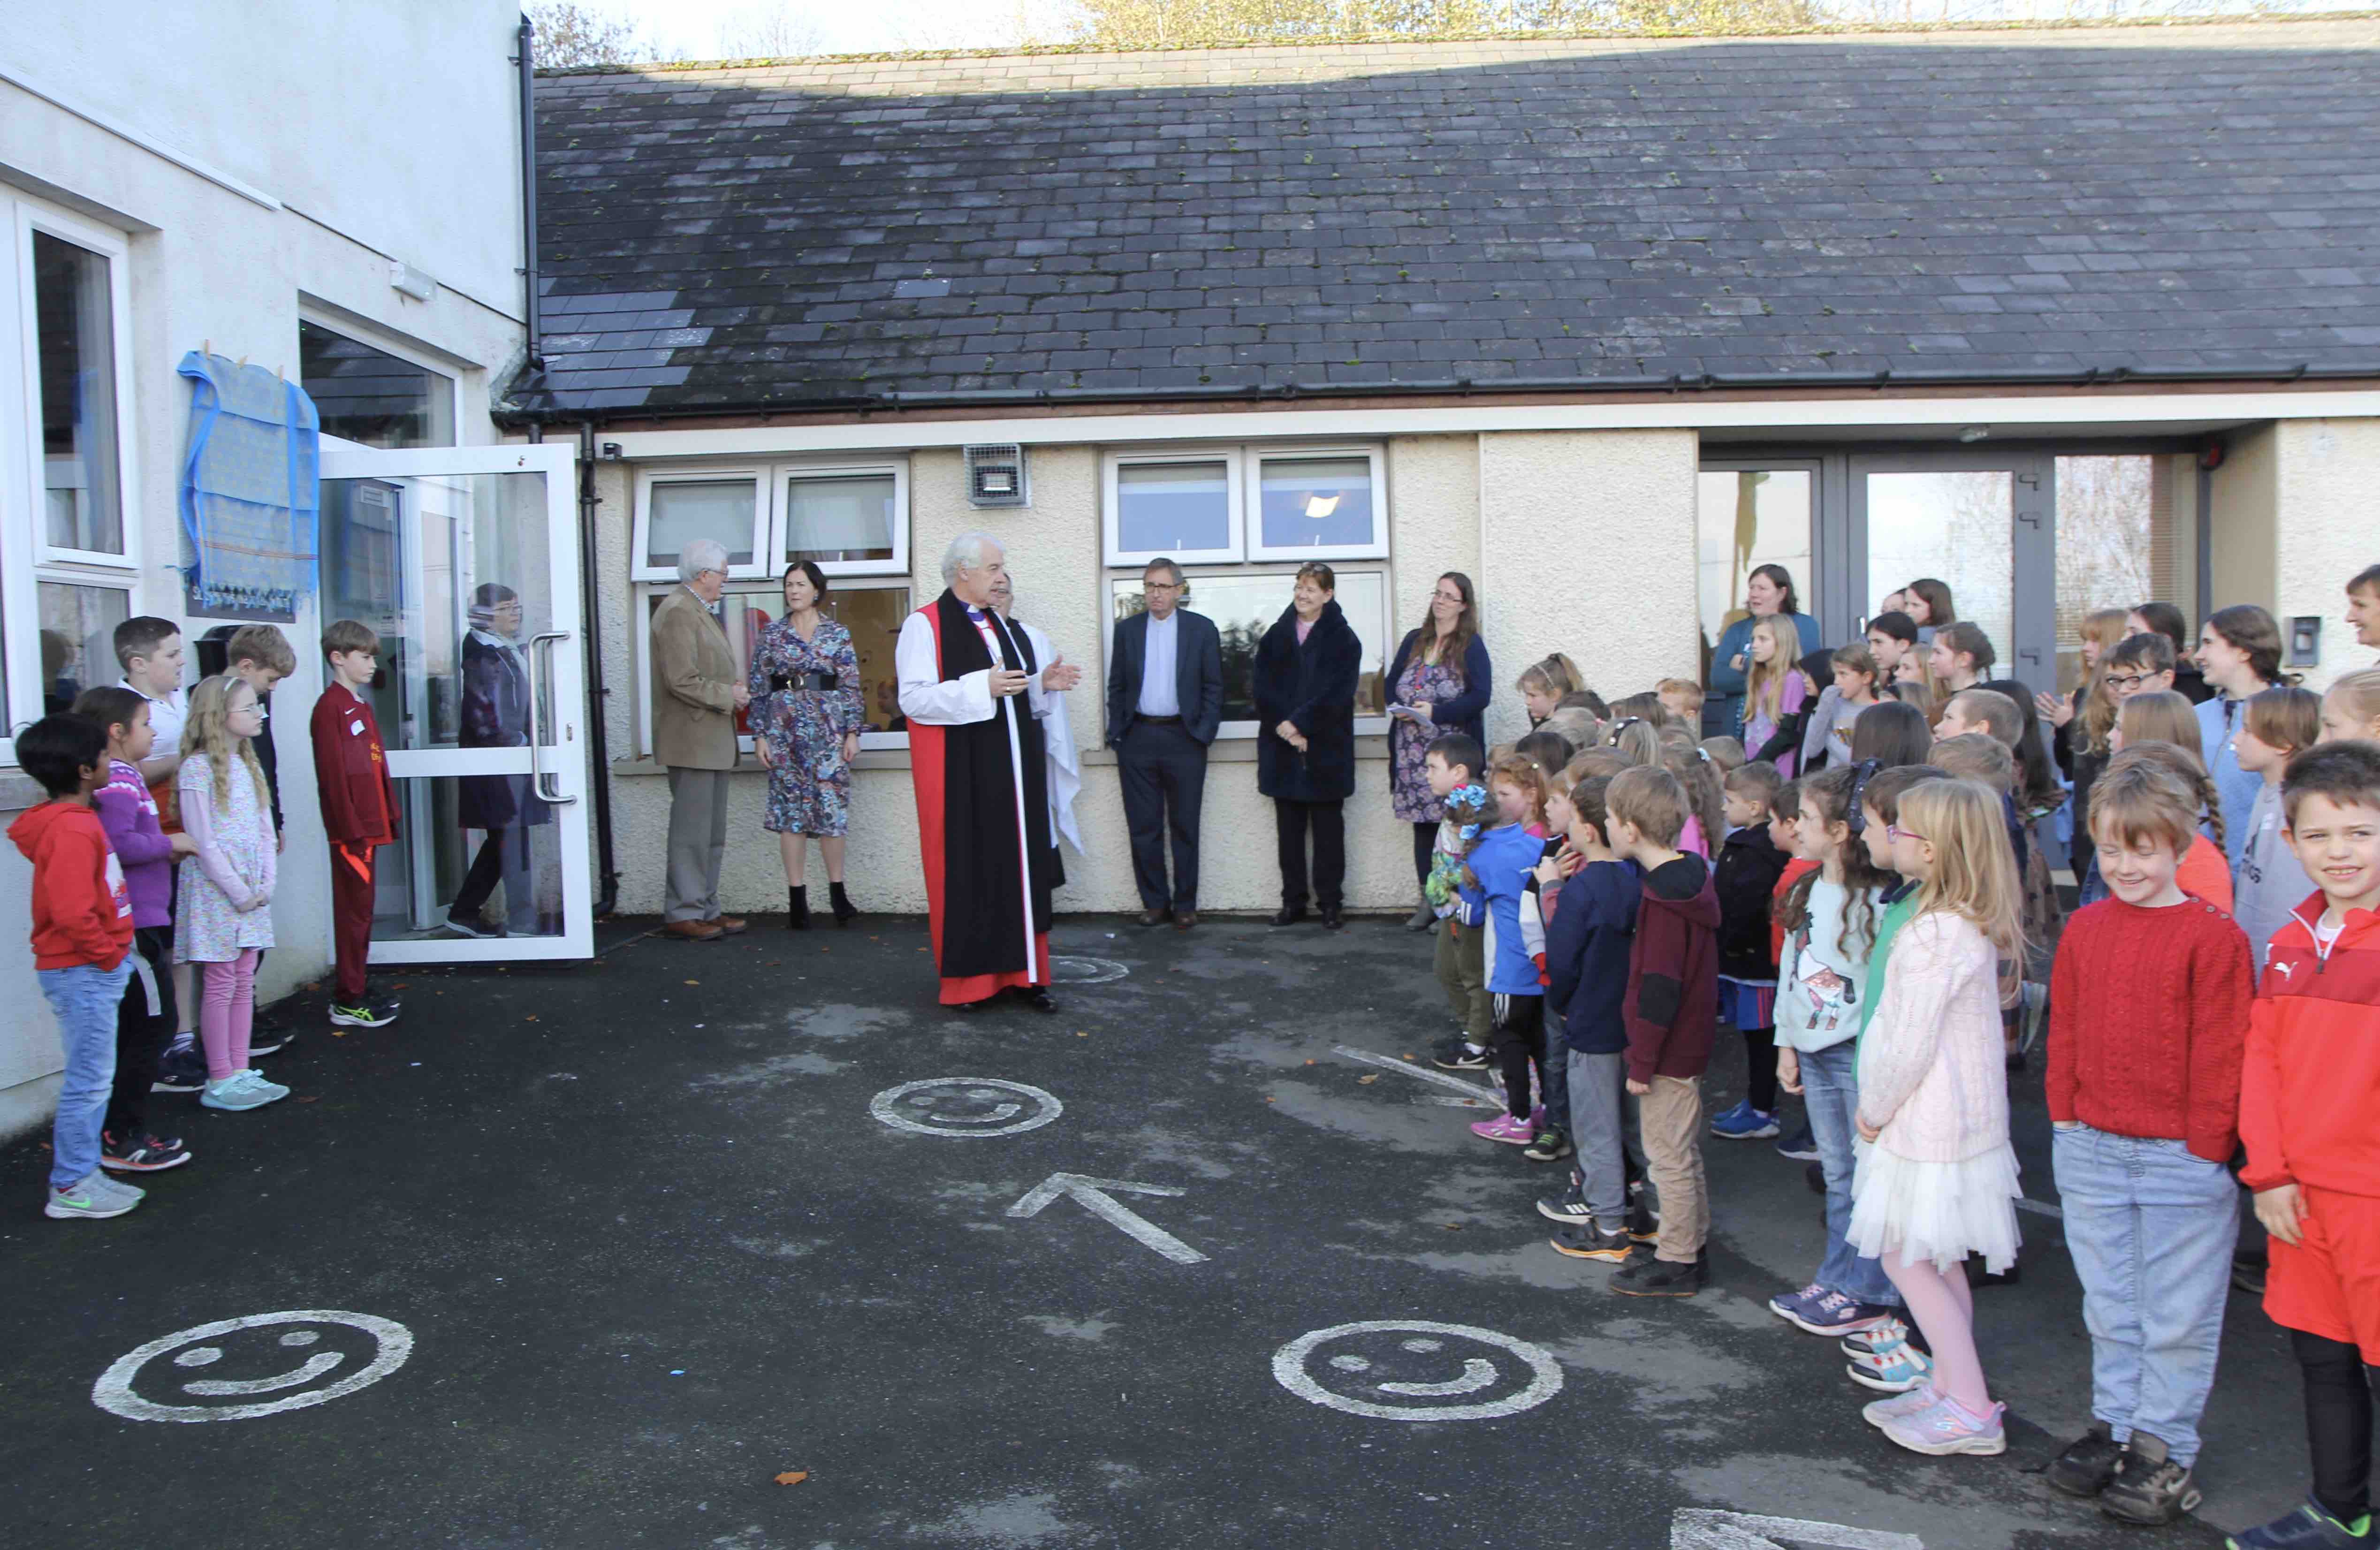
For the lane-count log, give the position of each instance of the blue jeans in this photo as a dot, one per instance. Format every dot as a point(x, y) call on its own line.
point(1553, 1083)
point(2150, 1226)
point(84, 1000)
point(1831, 1097)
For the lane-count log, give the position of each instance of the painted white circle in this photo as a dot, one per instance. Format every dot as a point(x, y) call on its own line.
point(391, 1343)
point(1291, 1368)
point(957, 1105)
point(1085, 971)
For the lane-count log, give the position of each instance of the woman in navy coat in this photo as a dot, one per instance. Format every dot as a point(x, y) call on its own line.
point(1306, 669)
point(496, 715)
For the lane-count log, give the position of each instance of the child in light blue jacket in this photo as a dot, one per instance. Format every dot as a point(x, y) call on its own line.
point(1501, 865)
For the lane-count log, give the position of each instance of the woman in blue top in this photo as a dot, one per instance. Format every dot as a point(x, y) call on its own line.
point(1438, 683)
point(1769, 591)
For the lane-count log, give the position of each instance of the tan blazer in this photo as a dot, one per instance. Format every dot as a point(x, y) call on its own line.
point(694, 687)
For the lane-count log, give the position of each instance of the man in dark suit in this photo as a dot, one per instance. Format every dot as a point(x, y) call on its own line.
point(1165, 700)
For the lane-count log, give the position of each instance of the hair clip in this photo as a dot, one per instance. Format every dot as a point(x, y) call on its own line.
point(1854, 819)
point(1625, 722)
point(1702, 753)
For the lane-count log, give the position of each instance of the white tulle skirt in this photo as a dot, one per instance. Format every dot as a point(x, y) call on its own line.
point(1909, 1212)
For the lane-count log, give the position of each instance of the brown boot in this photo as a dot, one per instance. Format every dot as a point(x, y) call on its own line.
point(693, 930)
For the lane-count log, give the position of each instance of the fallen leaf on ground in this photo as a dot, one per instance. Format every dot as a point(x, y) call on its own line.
point(309, 1097)
point(694, 982)
point(530, 1018)
point(1367, 1081)
point(1453, 1226)
point(1081, 1035)
point(338, 1033)
point(793, 1477)
point(1309, 1062)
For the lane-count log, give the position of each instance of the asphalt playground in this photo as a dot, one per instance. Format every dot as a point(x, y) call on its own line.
point(672, 1249)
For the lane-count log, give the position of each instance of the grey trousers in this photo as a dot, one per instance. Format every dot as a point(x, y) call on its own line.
point(698, 843)
point(1599, 1130)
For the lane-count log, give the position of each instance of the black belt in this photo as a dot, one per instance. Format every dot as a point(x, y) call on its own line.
point(803, 682)
point(1160, 720)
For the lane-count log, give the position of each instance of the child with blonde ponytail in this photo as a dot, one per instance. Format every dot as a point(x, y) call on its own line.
point(223, 919)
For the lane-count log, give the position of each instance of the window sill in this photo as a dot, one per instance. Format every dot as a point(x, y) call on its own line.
point(1224, 750)
point(19, 790)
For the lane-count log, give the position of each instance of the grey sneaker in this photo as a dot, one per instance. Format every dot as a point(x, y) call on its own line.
point(94, 1196)
point(273, 1091)
point(2149, 1487)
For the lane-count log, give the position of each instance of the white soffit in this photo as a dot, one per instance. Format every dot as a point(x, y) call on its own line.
point(2143, 413)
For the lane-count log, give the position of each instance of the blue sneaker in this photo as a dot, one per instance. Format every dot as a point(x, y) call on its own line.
point(1802, 1145)
point(1890, 1332)
point(1745, 1122)
point(2308, 1527)
point(1833, 1314)
point(1787, 1304)
point(1895, 1372)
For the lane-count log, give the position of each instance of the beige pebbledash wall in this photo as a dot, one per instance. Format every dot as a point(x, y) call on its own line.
point(1054, 553)
point(2294, 518)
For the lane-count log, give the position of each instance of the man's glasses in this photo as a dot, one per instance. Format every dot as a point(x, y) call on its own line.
point(2127, 681)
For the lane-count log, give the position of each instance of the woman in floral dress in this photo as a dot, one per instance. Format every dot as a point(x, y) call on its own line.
point(806, 717)
point(1440, 683)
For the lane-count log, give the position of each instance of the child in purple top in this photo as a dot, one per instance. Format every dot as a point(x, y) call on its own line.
point(144, 1023)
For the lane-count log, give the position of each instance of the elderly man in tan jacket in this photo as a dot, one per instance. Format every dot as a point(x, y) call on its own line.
point(696, 692)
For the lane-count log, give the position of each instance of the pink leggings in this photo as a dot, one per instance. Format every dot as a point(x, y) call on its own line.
point(226, 1012)
point(1944, 1307)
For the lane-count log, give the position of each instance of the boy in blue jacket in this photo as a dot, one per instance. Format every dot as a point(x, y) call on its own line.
point(1588, 937)
point(1501, 865)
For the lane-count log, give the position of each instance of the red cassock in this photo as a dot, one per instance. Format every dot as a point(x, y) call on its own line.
point(983, 808)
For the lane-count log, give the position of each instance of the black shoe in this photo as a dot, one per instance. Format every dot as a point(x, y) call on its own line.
point(2088, 1463)
point(1550, 1145)
point(1591, 1240)
point(1289, 915)
point(260, 1042)
point(1156, 916)
point(470, 926)
point(1979, 1277)
point(1815, 1177)
point(797, 909)
point(1034, 996)
point(2247, 1268)
point(845, 911)
point(1569, 1208)
point(269, 1020)
point(1644, 1276)
point(1330, 917)
point(2149, 1487)
point(180, 1070)
point(1454, 1053)
point(141, 1154)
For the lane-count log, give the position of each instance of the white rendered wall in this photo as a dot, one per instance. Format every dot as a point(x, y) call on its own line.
point(2329, 501)
point(211, 267)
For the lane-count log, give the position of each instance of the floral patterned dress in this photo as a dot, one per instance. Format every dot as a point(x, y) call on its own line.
point(1424, 682)
point(207, 927)
point(809, 784)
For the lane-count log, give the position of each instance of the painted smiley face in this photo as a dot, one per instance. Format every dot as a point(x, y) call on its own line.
point(960, 1106)
point(1409, 1370)
point(241, 1368)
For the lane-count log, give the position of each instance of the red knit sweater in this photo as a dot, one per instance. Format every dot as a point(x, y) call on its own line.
point(2148, 1023)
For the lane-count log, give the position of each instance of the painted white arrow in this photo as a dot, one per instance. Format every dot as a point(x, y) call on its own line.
point(1469, 1089)
point(1092, 1193)
point(1699, 1528)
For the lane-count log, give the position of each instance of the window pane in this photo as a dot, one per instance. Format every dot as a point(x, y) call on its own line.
point(372, 396)
point(1956, 528)
point(2115, 526)
point(844, 517)
point(1744, 519)
point(79, 639)
point(1314, 502)
point(1173, 508)
point(76, 335)
point(1245, 606)
point(684, 510)
point(872, 614)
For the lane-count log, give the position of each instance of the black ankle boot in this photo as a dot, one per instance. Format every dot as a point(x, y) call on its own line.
point(797, 909)
point(845, 911)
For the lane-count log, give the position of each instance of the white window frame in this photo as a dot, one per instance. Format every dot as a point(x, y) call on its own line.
point(1111, 510)
point(371, 338)
point(771, 513)
point(27, 558)
point(780, 515)
point(643, 592)
point(647, 478)
point(1371, 451)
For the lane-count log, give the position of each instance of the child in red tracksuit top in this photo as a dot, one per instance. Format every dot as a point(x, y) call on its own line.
point(1671, 1012)
point(82, 942)
point(2307, 1099)
point(359, 812)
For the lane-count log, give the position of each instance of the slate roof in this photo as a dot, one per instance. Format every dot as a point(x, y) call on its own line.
point(1406, 217)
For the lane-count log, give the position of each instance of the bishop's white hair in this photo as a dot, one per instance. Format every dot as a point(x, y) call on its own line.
point(968, 551)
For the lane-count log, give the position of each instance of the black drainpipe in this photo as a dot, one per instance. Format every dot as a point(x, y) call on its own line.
point(526, 57)
point(607, 895)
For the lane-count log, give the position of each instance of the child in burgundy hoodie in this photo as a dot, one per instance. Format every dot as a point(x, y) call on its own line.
point(1671, 1012)
point(82, 937)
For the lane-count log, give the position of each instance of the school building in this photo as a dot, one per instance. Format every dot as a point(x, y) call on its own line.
point(2070, 317)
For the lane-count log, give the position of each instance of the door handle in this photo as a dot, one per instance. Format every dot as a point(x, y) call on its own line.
point(540, 647)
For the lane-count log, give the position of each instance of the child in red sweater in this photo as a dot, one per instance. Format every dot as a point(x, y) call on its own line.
point(2312, 1084)
point(2148, 1019)
point(82, 936)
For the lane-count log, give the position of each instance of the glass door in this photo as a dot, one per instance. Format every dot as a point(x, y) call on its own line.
point(1981, 526)
point(464, 561)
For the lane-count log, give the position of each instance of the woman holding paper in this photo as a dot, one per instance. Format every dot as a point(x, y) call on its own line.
point(1438, 683)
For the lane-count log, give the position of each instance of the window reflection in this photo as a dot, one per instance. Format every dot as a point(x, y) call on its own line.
point(1243, 606)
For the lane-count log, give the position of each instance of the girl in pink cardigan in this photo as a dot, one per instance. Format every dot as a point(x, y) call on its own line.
point(1936, 1180)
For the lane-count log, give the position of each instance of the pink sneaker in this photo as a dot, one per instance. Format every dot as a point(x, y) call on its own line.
point(1946, 1426)
point(1881, 1413)
point(1510, 1129)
